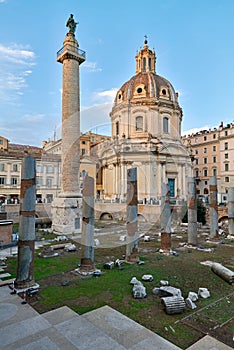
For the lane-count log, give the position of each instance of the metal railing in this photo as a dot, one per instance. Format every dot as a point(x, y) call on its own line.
point(71, 48)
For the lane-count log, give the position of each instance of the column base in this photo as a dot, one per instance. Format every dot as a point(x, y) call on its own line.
point(132, 257)
point(165, 241)
point(86, 267)
point(66, 215)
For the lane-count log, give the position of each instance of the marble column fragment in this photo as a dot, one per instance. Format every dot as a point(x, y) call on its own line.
point(192, 212)
point(214, 233)
point(231, 210)
point(26, 243)
point(132, 219)
point(165, 218)
point(87, 237)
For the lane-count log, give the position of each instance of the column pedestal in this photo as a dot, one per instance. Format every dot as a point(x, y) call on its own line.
point(66, 214)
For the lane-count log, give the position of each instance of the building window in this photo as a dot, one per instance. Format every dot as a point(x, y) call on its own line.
point(83, 142)
point(214, 172)
point(82, 151)
point(2, 180)
point(2, 167)
point(205, 160)
point(139, 123)
point(39, 181)
point(226, 167)
point(39, 169)
point(226, 133)
point(49, 182)
point(15, 167)
point(117, 128)
point(227, 179)
point(205, 172)
point(205, 150)
point(196, 161)
point(144, 64)
point(214, 148)
point(214, 136)
point(165, 125)
point(196, 173)
point(226, 155)
point(50, 169)
point(204, 138)
point(1, 142)
point(214, 159)
point(226, 145)
point(149, 63)
point(171, 183)
point(14, 181)
point(205, 182)
point(196, 151)
point(206, 191)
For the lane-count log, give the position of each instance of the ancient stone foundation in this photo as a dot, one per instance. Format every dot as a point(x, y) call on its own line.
point(66, 214)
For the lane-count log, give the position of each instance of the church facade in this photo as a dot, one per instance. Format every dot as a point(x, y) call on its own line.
point(146, 133)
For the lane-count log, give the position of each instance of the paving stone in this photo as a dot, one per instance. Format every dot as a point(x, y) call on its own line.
point(209, 343)
point(124, 330)
point(16, 331)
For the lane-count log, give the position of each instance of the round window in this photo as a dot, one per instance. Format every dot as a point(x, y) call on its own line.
point(139, 90)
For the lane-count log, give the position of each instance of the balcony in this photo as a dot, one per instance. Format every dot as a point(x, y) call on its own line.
point(69, 51)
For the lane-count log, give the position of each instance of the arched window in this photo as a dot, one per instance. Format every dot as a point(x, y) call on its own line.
point(117, 128)
point(149, 63)
point(165, 124)
point(205, 172)
point(139, 123)
point(144, 64)
point(206, 191)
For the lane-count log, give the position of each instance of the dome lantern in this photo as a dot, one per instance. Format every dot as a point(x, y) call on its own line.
point(145, 59)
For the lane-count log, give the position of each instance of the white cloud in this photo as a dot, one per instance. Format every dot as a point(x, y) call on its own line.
point(16, 54)
point(194, 130)
point(2, 1)
point(15, 63)
point(33, 118)
point(107, 96)
point(92, 67)
point(110, 94)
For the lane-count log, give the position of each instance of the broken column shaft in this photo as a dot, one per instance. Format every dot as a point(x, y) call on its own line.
point(87, 237)
point(214, 233)
point(25, 268)
point(132, 219)
point(192, 212)
point(231, 210)
point(165, 218)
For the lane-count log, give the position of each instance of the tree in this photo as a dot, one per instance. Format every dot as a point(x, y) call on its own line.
point(201, 212)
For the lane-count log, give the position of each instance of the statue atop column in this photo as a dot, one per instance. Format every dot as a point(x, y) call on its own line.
point(71, 24)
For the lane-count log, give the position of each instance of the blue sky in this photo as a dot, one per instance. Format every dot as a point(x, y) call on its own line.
point(193, 41)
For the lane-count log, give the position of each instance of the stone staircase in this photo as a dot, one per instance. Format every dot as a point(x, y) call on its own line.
point(22, 328)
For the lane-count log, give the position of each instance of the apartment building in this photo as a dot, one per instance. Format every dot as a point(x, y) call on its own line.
point(48, 167)
point(213, 153)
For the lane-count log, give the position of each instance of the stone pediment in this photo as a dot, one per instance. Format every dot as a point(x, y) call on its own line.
point(174, 149)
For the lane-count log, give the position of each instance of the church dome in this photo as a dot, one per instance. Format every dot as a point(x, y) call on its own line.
point(146, 84)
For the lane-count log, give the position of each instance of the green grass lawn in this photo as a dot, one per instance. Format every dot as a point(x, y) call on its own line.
point(114, 289)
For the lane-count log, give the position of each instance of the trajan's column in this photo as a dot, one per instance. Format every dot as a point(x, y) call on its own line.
point(66, 208)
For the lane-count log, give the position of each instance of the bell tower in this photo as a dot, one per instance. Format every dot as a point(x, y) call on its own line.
point(66, 208)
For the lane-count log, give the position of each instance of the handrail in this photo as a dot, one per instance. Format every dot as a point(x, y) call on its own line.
point(71, 48)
